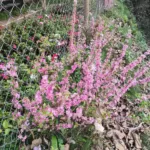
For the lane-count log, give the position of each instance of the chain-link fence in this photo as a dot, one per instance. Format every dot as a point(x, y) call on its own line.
point(27, 29)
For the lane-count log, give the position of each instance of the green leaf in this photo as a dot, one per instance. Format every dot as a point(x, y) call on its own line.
point(54, 143)
point(6, 124)
point(1, 131)
point(7, 131)
point(62, 147)
point(87, 144)
point(60, 142)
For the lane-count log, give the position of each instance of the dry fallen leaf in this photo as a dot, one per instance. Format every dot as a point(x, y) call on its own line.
point(66, 147)
point(137, 141)
point(98, 125)
point(36, 143)
point(119, 146)
point(117, 133)
point(46, 141)
point(28, 147)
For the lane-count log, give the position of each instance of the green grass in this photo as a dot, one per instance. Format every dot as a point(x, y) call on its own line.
point(5, 15)
point(122, 12)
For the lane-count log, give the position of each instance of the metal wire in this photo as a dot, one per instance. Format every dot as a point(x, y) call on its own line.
point(23, 24)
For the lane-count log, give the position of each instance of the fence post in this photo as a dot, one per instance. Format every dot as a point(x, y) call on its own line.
point(86, 12)
point(100, 6)
point(43, 4)
point(71, 44)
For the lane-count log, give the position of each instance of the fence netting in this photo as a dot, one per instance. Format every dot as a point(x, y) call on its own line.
point(27, 29)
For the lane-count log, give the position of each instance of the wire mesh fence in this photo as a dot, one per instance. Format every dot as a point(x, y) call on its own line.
point(29, 32)
point(29, 28)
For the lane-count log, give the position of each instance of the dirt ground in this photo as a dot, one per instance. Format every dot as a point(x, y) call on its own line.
point(5, 23)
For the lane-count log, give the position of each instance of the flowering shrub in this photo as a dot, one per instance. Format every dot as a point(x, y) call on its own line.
point(51, 95)
point(62, 99)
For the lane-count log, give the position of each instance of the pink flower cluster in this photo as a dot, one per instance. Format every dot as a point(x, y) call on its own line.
point(100, 81)
point(8, 70)
point(58, 96)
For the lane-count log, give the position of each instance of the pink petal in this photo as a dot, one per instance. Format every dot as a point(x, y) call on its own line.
point(14, 46)
point(40, 17)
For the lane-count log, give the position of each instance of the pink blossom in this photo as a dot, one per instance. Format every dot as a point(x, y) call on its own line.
point(50, 16)
point(43, 70)
point(69, 32)
point(2, 66)
point(129, 35)
point(41, 23)
point(24, 138)
point(64, 126)
point(76, 33)
point(38, 98)
point(26, 103)
point(15, 84)
point(16, 115)
point(74, 67)
point(64, 81)
point(12, 73)
point(134, 63)
point(60, 110)
point(75, 2)
point(77, 21)
point(145, 80)
point(28, 58)
point(78, 112)
point(20, 136)
point(40, 17)
point(54, 57)
point(69, 114)
point(16, 104)
point(100, 28)
point(4, 76)
point(32, 38)
point(62, 43)
point(14, 46)
point(49, 92)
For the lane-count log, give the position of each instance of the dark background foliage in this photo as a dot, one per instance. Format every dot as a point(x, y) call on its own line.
point(141, 10)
